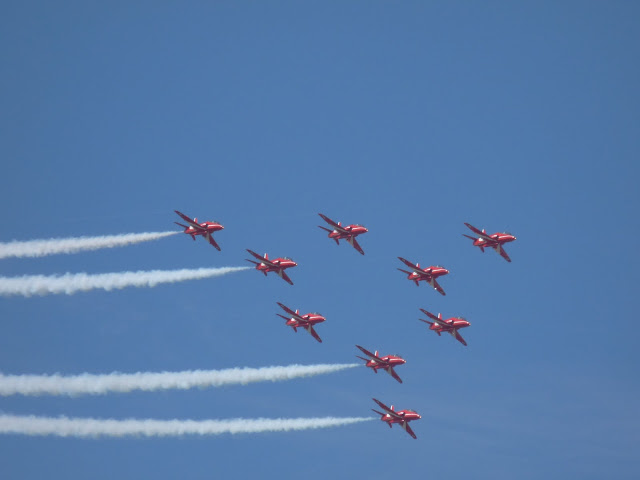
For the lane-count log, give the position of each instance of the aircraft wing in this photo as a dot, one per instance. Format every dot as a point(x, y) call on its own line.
point(441, 323)
point(498, 248)
point(429, 314)
point(437, 286)
point(188, 220)
point(291, 312)
point(409, 264)
point(366, 352)
point(393, 373)
point(260, 257)
point(408, 429)
point(387, 409)
point(459, 337)
point(212, 241)
point(372, 356)
point(332, 223)
point(354, 243)
point(478, 232)
point(313, 333)
point(283, 275)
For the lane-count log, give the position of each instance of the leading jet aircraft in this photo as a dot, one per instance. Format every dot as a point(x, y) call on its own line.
point(386, 363)
point(494, 241)
point(401, 417)
point(450, 325)
point(428, 274)
point(348, 233)
point(278, 265)
point(205, 229)
point(306, 321)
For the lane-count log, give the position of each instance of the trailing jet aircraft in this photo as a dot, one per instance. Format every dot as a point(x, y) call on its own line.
point(450, 325)
point(386, 363)
point(205, 229)
point(428, 274)
point(306, 321)
point(278, 265)
point(348, 233)
point(401, 417)
point(494, 241)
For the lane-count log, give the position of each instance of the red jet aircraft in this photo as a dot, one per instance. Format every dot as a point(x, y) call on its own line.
point(205, 229)
point(402, 417)
point(450, 325)
point(278, 265)
point(348, 233)
point(306, 321)
point(386, 363)
point(429, 275)
point(494, 241)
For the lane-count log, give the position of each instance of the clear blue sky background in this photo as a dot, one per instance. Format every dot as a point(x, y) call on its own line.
point(410, 118)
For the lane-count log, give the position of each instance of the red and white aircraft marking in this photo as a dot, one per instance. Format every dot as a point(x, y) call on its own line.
point(450, 325)
point(401, 417)
point(494, 241)
point(278, 265)
point(306, 321)
point(348, 233)
point(385, 363)
point(205, 229)
point(429, 274)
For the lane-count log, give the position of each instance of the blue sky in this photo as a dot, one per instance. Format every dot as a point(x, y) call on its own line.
point(409, 118)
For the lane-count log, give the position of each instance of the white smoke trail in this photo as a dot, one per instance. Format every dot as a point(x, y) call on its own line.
point(52, 246)
point(92, 427)
point(71, 283)
point(149, 381)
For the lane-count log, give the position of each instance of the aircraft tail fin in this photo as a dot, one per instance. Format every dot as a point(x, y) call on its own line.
point(324, 228)
point(469, 236)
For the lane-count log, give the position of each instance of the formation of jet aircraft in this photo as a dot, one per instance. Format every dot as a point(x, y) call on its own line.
point(416, 274)
point(306, 321)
